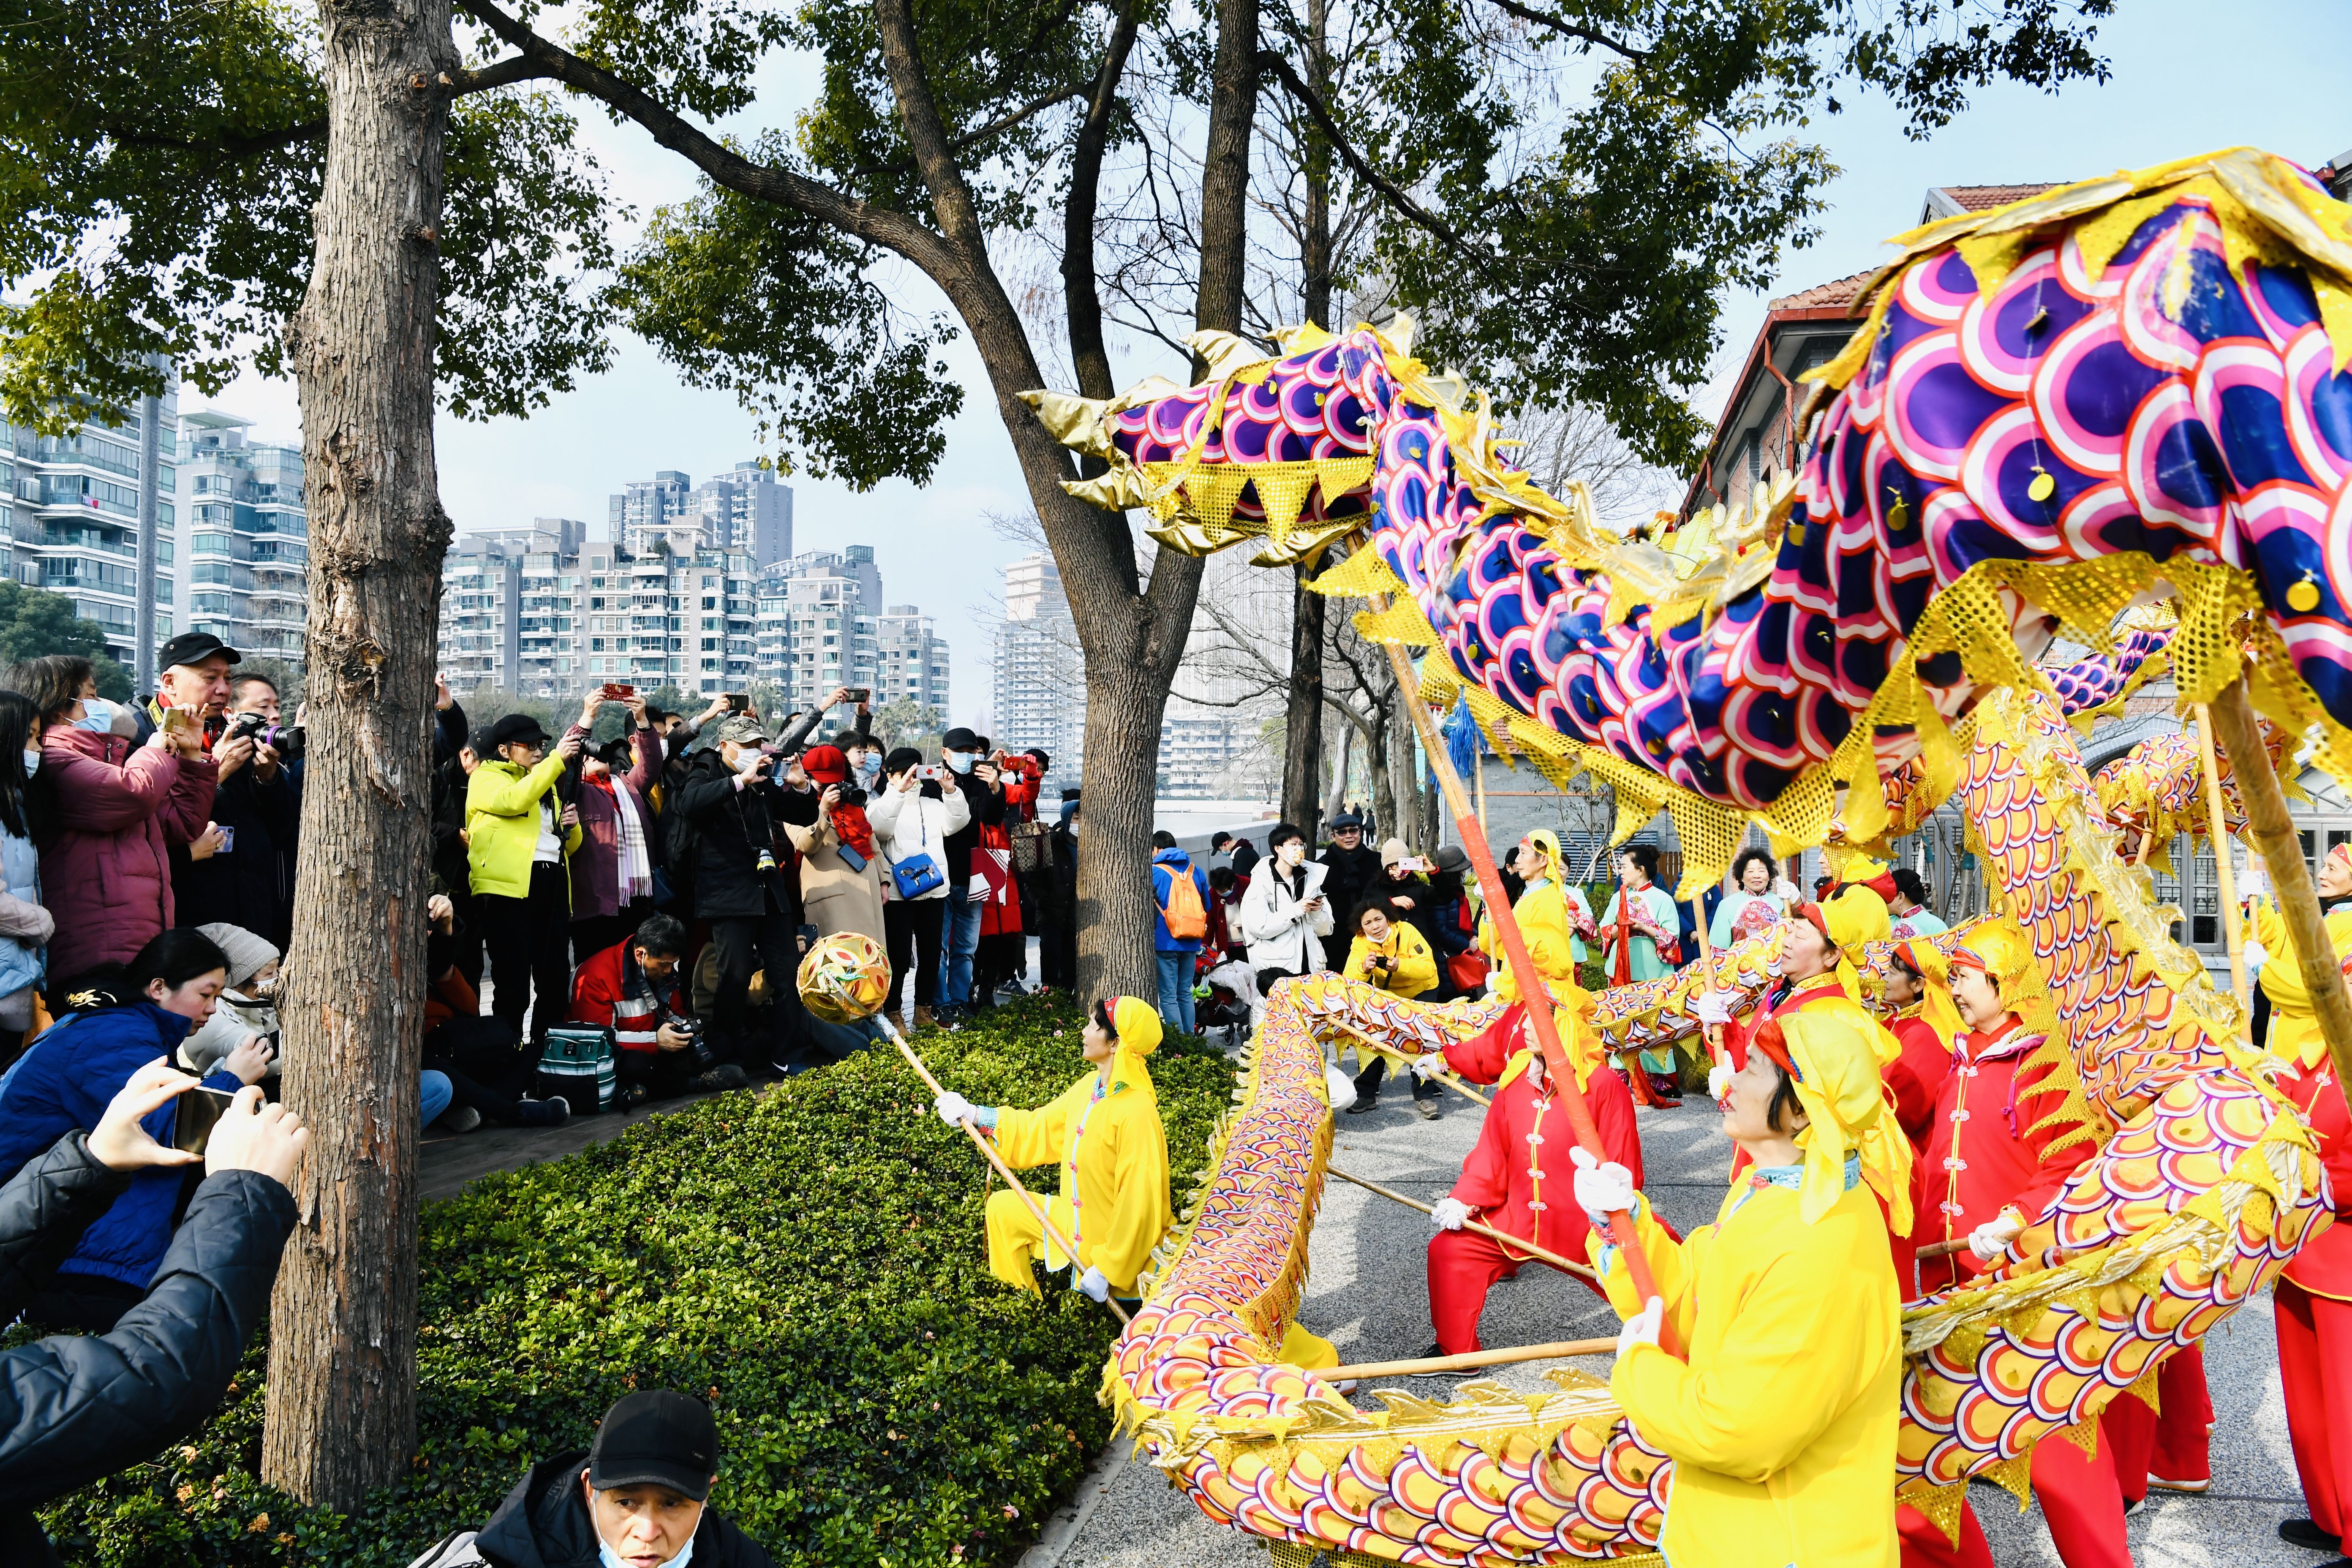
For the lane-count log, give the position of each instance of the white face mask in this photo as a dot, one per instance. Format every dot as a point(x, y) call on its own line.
point(97, 715)
point(32, 761)
point(1293, 852)
point(961, 761)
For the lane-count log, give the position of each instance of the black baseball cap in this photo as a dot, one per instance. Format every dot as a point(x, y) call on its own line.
point(193, 647)
point(517, 727)
point(959, 740)
point(659, 1436)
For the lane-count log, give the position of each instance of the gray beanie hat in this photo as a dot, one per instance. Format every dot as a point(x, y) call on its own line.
point(246, 952)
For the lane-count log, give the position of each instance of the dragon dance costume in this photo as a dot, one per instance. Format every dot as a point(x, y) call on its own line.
point(1517, 1176)
point(1782, 1422)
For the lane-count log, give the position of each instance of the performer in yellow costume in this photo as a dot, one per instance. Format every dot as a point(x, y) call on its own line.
point(1547, 922)
point(1782, 1420)
point(1104, 1132)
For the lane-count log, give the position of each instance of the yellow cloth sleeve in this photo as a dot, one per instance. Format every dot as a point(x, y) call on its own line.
point(1040, 1137)
point(1670, 1269)
point(1139, 1213)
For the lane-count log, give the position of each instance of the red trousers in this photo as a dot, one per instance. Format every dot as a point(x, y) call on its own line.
point(1924, 1545)
point(2081, 1502)
point(1463, 1267)
point(2315, 1353)
point(2169, 1443)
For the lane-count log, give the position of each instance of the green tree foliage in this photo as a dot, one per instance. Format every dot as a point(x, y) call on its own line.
point(158, 165)
point(34, 623)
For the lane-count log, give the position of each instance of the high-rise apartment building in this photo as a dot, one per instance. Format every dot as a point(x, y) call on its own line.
point(72, 509)
point(540, 612)
point(1039, 694)
point(244, 537)
point(823, 626)
point(743, 511)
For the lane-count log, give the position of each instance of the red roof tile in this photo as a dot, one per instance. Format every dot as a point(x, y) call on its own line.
point(1823, 295)
point(1978, 198)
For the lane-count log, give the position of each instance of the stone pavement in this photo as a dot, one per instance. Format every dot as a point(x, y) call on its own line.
point(1366, 1293)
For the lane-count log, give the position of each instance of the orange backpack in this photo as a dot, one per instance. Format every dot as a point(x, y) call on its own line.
point(1186, 919)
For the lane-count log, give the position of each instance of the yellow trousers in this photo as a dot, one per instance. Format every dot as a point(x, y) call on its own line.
point(1015, 1239)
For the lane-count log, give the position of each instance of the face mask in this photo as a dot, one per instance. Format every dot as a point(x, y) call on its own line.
point(97, 715)
point(32, 762)
point(1293, 852)
point(961, 761)
point(608, 1558)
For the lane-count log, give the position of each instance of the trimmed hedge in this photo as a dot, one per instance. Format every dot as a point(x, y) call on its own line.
point(810, 1259)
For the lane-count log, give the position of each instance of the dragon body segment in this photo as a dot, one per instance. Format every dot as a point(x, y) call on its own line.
point(2127, 387)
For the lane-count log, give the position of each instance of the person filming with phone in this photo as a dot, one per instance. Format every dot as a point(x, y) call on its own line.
point(257, 809)
point(913, 816)
point(124, 1017)
point(520, 838)
point(76, 1409)
point(983, 797)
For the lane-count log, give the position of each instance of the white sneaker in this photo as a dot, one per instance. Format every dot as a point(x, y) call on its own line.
point(459, 1118)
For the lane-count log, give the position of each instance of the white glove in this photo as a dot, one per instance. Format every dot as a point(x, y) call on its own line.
point(1339, 1087)
point(1718, 1081)
point(1712, 1007)
point(955, 1109)
point(1450, 1214)
point(1601, 1188)
point(2256, 955)
point(1430, 1067)
point(1641, 1327)
point(1093, 1286)
point(1990, 1240)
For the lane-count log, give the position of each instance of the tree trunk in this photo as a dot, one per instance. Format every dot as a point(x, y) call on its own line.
point(1335, 799)
point(342, 1415)
point(1303, 710)
point(1302, 751)
point(1224, 175)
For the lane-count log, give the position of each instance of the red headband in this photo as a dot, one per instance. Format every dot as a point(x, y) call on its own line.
point(1769, 1039)
point(1967, 958)
point(1810, 913)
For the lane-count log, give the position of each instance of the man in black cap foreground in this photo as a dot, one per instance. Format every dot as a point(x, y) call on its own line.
point(638, 1497)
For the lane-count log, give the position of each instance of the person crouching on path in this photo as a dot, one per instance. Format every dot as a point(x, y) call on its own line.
point(1105, 1133)
point(1781, 1423)
point(1389, 952)
point(1517, 1179)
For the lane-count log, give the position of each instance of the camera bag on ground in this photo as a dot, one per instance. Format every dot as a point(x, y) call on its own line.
point(577, 1068)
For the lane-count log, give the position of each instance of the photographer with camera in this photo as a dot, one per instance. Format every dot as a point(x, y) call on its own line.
point(124, 1018)
point(913, 818)
point(73, 1408)
point(841, 881)
point(105, 849)
point(631, 988)
point(613, 871)
point(520, 837)
point(744, 887)
point(256, 810)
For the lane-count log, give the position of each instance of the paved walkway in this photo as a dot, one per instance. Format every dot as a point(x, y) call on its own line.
point(1366, 1293)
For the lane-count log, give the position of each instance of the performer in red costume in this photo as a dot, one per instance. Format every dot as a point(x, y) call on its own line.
point(1927, 1021)
point(2313, 1310)
point(1993, 1166)
point(1518, 1178)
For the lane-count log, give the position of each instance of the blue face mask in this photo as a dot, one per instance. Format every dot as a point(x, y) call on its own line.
point(32, 761)
point(97, 716)
point(961, 761)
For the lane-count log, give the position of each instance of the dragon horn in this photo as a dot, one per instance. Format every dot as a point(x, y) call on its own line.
point(1073, 421)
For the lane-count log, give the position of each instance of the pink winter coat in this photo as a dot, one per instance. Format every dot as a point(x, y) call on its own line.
point(107, 876)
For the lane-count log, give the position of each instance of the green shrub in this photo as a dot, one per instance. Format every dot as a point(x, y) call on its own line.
point(810, 1259)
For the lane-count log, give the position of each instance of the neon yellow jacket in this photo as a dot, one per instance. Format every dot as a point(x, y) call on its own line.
point(2295, 1028)
point(1114, 1159)
point(1781, 1423)
point(502, 824)
point(1416, 968)
point(1543, 921)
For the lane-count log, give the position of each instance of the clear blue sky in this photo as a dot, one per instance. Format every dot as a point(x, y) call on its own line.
point(2188, 78)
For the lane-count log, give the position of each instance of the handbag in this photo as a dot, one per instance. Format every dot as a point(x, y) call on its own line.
point(577, 1068)
point(1467, 971)
point(919, 873)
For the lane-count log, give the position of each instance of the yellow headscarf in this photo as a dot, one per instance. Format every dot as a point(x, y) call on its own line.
point(1854, 918)
point(1547, 848)
point(1139, 1030)
point(1936, 1003)
point(1999, 948)
point(1578, 1041)
point(1835, 1059)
